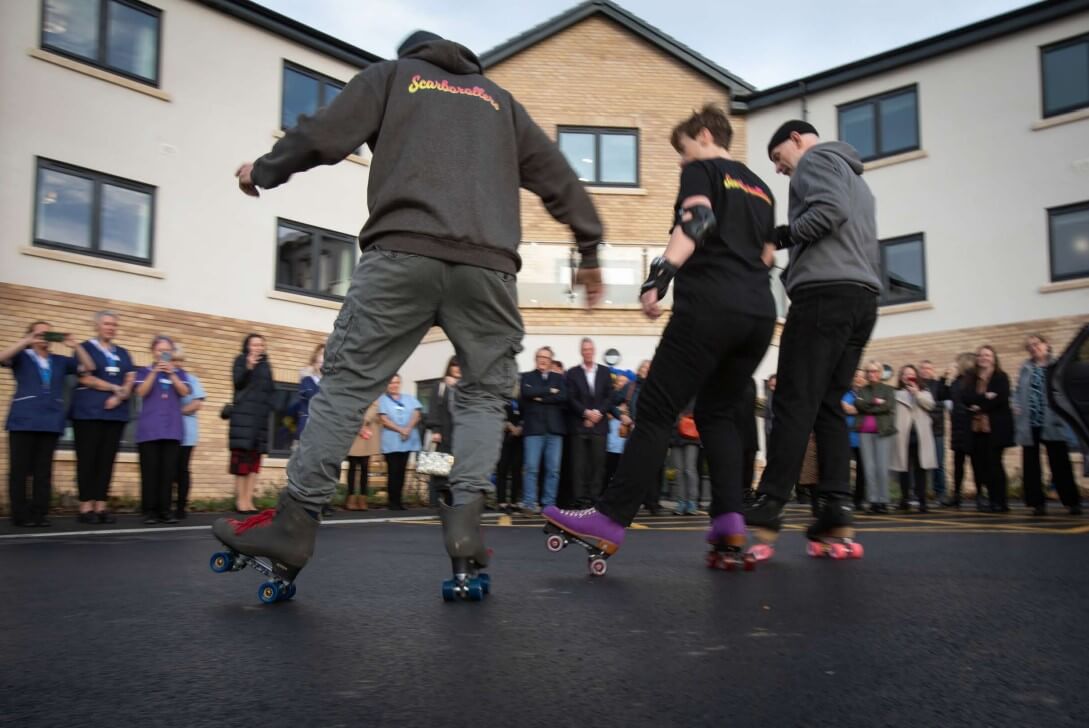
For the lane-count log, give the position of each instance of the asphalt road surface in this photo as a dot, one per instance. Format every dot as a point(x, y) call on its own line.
point(950, 619)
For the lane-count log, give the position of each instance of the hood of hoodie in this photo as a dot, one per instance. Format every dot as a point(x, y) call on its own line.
point(844, 150)
point(447, 55)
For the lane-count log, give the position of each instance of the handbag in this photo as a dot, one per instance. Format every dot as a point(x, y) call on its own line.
point(225, 413)
point(429, 462)
point(687, 428)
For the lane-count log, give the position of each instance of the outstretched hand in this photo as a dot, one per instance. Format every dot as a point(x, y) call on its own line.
point(245, 180)
point(590, 279)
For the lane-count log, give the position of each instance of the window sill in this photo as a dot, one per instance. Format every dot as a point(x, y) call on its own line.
point(905, 308)
point(69, 456)
point(1067, 118)
point(895, 159)
point(100, 74)
point(634, 191)
point(92, 262)
point(1065, 285)
point(306, 300)
point(355, 158)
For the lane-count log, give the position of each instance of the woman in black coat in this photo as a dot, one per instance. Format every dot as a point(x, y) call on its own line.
point(960, 431)
point(986, 394)
point(248, 435)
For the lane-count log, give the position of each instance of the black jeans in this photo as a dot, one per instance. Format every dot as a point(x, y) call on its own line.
point(914, 473)
point(587, 467)
point(357, 470)
point(396, 464)
point(184, 478)
point(158, 467)
point(826, 330)
point(508, 472)
point(710, 355)
point(988, 468)
point(1062, 474)
point(959, 456)
point(31, 455)
point(860, 477)
point(97, 443)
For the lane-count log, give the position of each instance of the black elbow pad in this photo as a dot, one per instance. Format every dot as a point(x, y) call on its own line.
point(701, 226)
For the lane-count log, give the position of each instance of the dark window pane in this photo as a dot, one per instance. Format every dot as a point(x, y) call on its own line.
point(283, 419)
point(294, 267)
point(1070, 244)
point(618, 158)
point(300, 97)
point(126, 222)
point(64, 208)
point(899, 129)
point(579, 150)
point(132, 40)
point(856, 127)
point(72, 26)
point(337, 261)
point(904, 272)
point(1066, 78)
point(330, 91)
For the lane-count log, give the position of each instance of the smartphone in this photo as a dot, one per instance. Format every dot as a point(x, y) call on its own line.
point(55, 336)
point(167, 356)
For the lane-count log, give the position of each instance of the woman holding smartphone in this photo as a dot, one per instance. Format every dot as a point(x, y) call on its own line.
point(35, 420)
point(914, 453)
point(159, 429)
point(248, 437)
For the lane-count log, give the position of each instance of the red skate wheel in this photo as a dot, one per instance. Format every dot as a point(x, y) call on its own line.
point(814, 549)
point(856, 551)
point(749, 564)
point(837, 551)
point(712, 560)
point(555, 543)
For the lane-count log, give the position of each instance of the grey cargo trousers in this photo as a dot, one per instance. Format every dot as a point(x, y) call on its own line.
point(393, 300)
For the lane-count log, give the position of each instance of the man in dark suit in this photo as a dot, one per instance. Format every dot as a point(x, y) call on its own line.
point(544, 402)
point(589, 388)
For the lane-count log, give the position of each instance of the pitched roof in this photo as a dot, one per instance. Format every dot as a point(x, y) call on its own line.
point(614, 12)
point(953, 40)
point(281, 25)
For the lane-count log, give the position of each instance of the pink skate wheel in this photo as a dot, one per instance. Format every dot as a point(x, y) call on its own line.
point(762, 551)
point(554, 543)
point(856, 551)
point(712, 560)
point(598, 567)
point(837, 551)
point(814, 549)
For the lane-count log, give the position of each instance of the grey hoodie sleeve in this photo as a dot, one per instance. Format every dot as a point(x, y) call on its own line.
point(823, 188)
point(332, 133)
point(545, 172)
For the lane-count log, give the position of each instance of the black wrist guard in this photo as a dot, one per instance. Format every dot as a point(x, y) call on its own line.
point(660, 276)
point(701, 226)
point(781, 237)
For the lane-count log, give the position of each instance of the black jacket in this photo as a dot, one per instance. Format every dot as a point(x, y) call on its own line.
point(940, 391)
point(580, 399)
point(960, 419)
point(997, 409)
point(435, 122)
point(253, 390)
point(439, 418)
point(544, 404)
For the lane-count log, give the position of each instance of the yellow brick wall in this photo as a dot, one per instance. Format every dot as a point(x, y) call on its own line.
point(597, 73)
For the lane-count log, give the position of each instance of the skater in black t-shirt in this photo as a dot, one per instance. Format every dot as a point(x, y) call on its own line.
point(723, 318)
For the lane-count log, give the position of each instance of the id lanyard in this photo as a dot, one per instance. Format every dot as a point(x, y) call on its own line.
point(45, 369)
point(113, 361)
point(165, 384)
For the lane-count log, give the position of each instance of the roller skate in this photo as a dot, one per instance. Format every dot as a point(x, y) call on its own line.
point(764, 515)
point(465, 544)
point(832, 534)
point(595, 532)
point(277, 542)
point(727, 539)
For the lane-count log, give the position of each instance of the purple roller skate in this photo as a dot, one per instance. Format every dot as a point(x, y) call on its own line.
point(595, 532)
point(727, 539)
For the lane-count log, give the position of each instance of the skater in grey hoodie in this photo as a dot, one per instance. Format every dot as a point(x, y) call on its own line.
point(833, 280)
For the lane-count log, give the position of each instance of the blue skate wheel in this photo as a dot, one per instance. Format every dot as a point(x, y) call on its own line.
point(221, 562)
point(475, 591)
point(269, 592)
point(290, 593)
point(448, 590)
point(485, 582)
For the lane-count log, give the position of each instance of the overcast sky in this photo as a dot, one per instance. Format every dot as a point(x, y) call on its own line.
point(765, 42)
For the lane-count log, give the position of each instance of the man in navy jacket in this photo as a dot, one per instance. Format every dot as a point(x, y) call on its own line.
point(544, 403)
point(590, 390)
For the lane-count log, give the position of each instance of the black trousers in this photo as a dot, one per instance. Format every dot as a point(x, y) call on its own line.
point(158, 468)
point(612, 461)
point(710, 355)
point(914, 474)
point(396, 464)
point(988, 468)
point(508, 471)
point(97, 443)
point(959, 457)
point(826, 330)
point(1062, 474)
point(860, 477)
point(184, 478)
point(587, 467)
point(357, 471)
point(31, 458)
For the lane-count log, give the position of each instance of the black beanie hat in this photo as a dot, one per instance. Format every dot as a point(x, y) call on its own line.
point(783, 132)
point(419, 37)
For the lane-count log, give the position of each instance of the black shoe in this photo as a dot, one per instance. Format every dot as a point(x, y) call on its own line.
point(105, 517)
point(181, 515)
point(952, 503)
point(1039, 510)
point(43, 522)
point(765, 511)
point(904, 506)
point(923, 508)
point(833, 512)
point(22, 523)
point(655, 510)
point(1075, 510)
point(151, 520)
point(327, 511)
point(88, 517)
point(168, 518)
